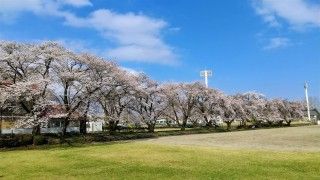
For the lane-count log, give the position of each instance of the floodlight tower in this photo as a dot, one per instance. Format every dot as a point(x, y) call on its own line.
point(206, 74)
point(307, 100)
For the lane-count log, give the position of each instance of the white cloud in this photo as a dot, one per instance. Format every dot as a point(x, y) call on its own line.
point(132, 71)
point(136, 37)
point(9, 9)
point(77, 3)
point(298, 13)
point(161, 54)
point(78, 45)
point(277, 42)
point(16, 5)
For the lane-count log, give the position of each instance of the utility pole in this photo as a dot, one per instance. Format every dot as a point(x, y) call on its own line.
point(307, 100)
point(206, 74)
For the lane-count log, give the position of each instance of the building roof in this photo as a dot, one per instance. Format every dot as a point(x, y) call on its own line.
point(57, 111)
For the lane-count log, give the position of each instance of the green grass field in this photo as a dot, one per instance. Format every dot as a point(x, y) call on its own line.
point(175, 159)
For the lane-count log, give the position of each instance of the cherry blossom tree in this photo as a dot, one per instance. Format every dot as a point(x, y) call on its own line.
point(72, 85)
point(102, 82)
point(4, 101)
point(181, 100)
point(296, 111)
point(172, 111)
point(115, 94)
point(26, 69)
point(253, 104)
point(208, 105)
point(229, 108)
point(17, 61)
point(36, 77)
point(271, 114)
point(149, 101)
point(288, 110)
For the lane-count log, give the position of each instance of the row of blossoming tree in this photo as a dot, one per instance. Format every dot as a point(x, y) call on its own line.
point(38, 77)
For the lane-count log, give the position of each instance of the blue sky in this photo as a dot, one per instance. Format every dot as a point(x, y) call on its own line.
point(269, 46)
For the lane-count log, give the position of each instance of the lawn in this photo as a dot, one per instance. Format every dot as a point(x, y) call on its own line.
point(305, 138)
point(158, 159)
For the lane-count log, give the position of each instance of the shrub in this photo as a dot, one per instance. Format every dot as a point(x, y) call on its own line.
point(15, 140)
point(39, 140)
point(52, 140)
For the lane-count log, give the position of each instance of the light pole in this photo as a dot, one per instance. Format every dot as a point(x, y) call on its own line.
point(307, 100)
point(206, 74)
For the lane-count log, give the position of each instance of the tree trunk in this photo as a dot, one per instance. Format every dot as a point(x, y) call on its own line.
point(0, 121)
point(209, 124)
point(195, 124)
point(183, 125)
point(280, 123)
point(257, 122)
point(36, 130)
point(288, 123)
point(168, 123)
point(229, 125)
point(65, 125)
point(83, 120)
point(151, 127)
point(243, 123)
point(113, 126)
point(83, 125)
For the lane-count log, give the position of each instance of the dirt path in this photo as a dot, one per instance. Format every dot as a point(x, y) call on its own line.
point(287, 139)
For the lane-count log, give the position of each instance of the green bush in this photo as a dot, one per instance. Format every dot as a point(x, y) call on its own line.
point(52, 140)
point(39, 140)
point(15, 140)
